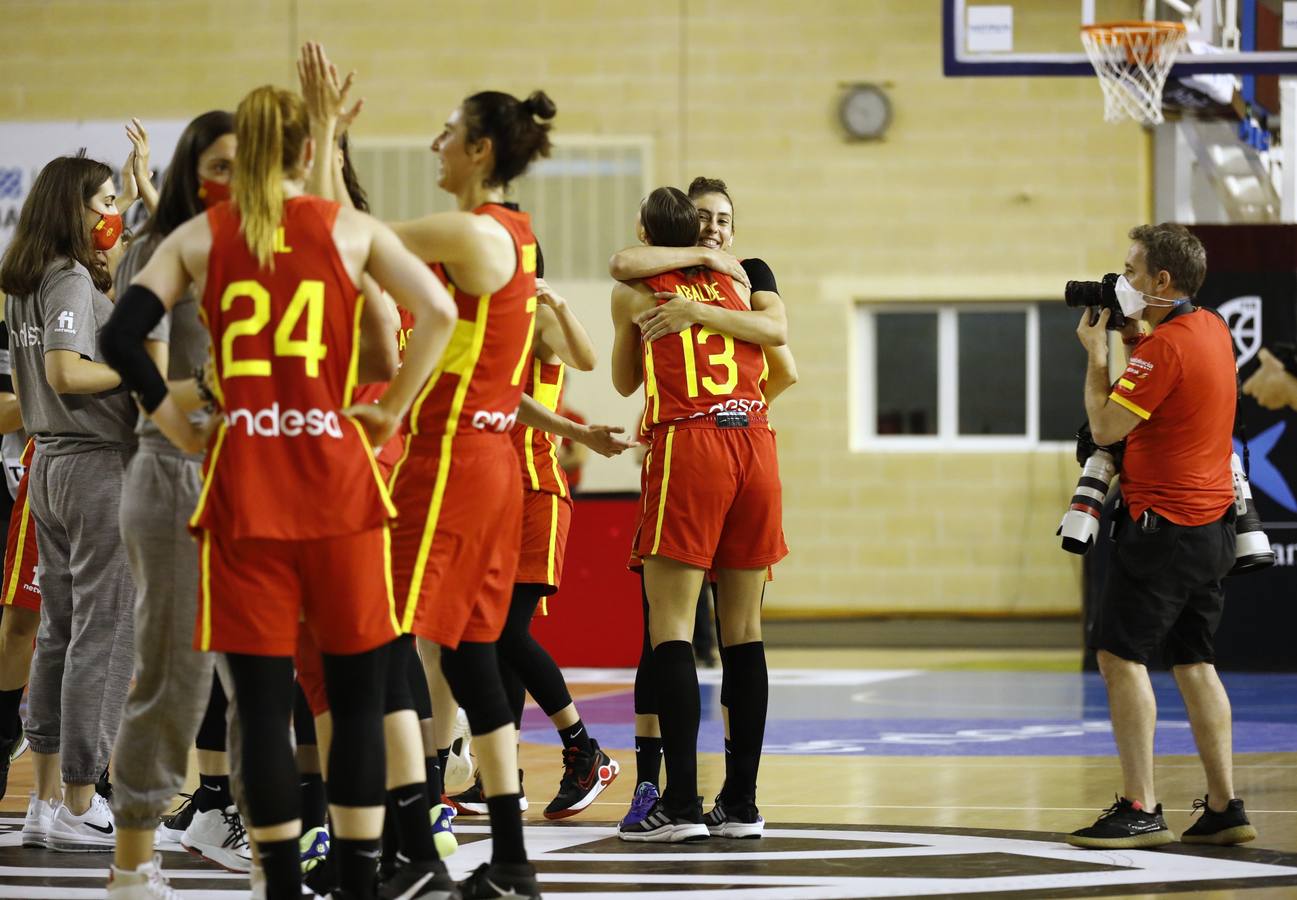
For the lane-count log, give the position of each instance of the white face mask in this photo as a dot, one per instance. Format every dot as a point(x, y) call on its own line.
point(1132, 301)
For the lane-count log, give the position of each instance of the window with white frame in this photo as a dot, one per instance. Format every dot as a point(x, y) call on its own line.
point(966, 375)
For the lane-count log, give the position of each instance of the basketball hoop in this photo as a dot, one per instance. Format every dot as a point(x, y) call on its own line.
point(1132, 60)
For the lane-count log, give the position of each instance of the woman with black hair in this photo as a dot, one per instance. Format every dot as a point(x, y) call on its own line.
point(174, 692)
point(457, 488)
point(56, 280)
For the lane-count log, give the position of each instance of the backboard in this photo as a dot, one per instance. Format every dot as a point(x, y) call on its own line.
point(1041, 38)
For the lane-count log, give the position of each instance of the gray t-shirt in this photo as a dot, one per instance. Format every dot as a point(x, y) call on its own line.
point(180, 328)
point(65, 313)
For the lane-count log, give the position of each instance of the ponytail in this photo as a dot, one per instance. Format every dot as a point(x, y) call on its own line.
point(272, 128)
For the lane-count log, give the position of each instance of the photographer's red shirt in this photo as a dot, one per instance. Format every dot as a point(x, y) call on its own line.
point(1181, 380)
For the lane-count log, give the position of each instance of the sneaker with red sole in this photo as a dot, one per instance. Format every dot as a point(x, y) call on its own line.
point(472, 802)
point(585, 775)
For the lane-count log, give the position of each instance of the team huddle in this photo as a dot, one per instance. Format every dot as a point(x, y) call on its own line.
point(291, 492)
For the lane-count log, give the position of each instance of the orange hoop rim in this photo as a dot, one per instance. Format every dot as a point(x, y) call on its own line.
point(1128, 27)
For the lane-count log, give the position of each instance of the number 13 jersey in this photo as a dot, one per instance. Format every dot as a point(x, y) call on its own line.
point(699, 372)
point(286, 464)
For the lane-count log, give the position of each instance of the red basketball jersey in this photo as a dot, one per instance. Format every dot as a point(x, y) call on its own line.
point(286, 464)
point(540, 469)
point(478, 383)
point(699, 371)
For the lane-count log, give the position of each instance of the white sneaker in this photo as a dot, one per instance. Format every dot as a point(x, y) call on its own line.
point(460, 766)
point(92, 832)
point(145, 883)
point(218, 836)
point(37, 824)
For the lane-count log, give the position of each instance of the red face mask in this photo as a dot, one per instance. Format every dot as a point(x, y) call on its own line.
point(107, 231)
point(213, 192)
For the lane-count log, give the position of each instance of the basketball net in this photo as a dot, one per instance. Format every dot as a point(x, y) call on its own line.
point(1132, 61)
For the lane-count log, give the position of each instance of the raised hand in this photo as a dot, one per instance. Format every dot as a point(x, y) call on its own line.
point(325, 95)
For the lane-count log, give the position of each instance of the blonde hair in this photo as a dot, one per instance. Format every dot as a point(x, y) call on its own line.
point(272, 128)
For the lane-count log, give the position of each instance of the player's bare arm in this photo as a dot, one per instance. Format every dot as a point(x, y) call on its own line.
point(627, 364)
point(476, 250)
point(635, 263)
point(602, 439)
point(380, 356)
point(766, 324)
point(559, 331)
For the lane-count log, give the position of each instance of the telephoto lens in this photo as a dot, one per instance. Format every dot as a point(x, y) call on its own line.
point(1252, 547)
point(1097, 295)
point(1080, 525)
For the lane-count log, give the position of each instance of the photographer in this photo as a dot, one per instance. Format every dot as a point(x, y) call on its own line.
point(1174, 406)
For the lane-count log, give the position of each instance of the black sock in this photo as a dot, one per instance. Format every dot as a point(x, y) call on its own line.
point(213, 792)
point(391, 842)
point(748, 703)
point(10, 722)
point(409, 806)
point(282, 864)
point(648, 760)
point(315, 803)
point(443, 758)
point(432, 773)
point(677, 678)
point(506, 829)
point(729, 764)
point(575, 735)
point(357, 865)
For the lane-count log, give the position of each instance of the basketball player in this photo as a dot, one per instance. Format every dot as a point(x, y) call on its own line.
point(173, 684)
point(703, 404)
point(278, 272)
point(767, 318)
point(56, 280)
point(407, 695)
point(457, 487)
point(560, 341)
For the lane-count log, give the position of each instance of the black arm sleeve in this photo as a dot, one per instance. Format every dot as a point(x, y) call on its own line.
point(760, 275)
point(6, 372)
point(122, 344)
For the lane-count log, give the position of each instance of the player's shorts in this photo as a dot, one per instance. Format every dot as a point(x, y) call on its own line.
point(455, 542)
point(20, 562)
point(310, 673)
point(711, 496)
point(546, 519)
point(255, 594)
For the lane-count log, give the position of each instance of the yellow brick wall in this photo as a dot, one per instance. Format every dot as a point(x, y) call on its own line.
point(982, 189)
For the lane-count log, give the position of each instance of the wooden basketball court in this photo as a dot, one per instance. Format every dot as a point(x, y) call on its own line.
point(889, 773)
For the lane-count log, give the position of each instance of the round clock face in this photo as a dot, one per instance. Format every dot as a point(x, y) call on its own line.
point(865, 112)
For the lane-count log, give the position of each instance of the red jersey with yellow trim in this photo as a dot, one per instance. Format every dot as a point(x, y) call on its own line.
point(286, 464)
point(1181, 381)
point(390, 453)
point(536, 449)
point(699, 371)
point(478, 383)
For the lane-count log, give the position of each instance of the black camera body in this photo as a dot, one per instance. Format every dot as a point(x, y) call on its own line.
point(1097, 296)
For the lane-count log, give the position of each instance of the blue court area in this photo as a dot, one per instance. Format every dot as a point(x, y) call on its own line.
point(946, 713)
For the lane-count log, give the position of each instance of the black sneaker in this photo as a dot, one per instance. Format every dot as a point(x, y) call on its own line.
point(1220, 828)
point(173, 826)
point(501, 880)
point(1124, 826)
point(472, 802)
point(427, 880)
point(585, 775)
point(662, 827)
point(734, 820)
